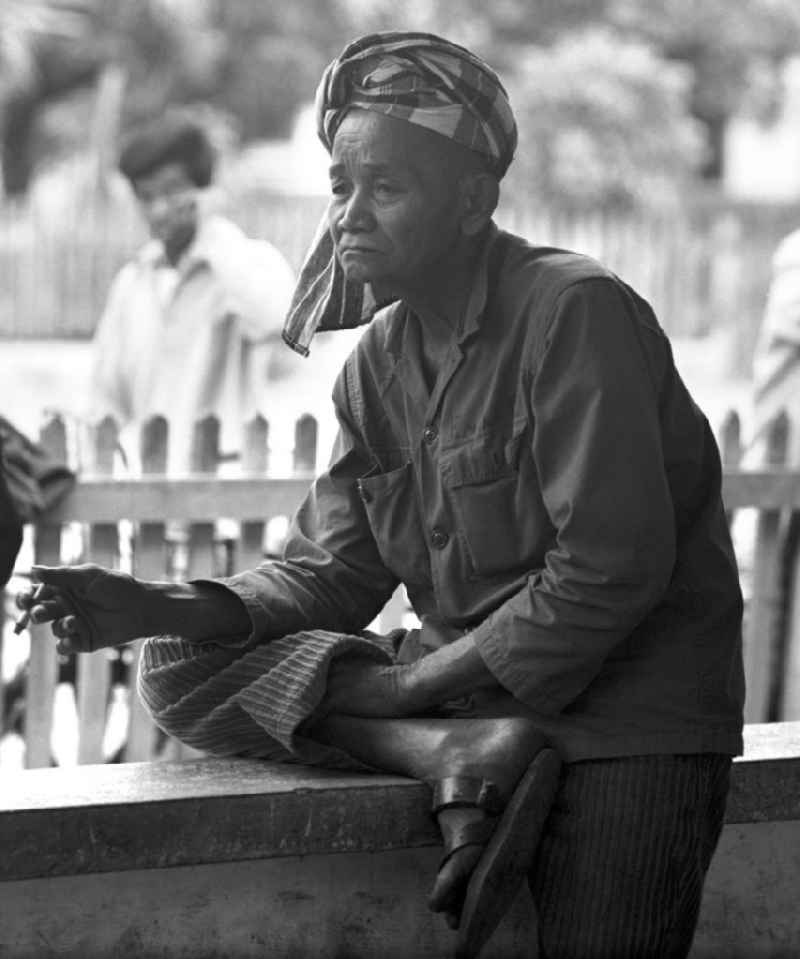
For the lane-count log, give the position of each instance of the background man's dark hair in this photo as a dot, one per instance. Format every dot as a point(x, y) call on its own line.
point(171, 138)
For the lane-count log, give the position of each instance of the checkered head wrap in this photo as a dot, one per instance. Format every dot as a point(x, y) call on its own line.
point(416, 77)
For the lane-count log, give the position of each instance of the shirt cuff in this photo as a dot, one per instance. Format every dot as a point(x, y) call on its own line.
point(494, 652)
point(259, 621)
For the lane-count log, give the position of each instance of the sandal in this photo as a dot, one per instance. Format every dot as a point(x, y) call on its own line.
point(510, 835)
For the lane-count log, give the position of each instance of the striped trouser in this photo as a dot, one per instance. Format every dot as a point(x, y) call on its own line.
point(620, 869)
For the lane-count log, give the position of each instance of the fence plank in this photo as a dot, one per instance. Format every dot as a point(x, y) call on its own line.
point(183, 498)
point(205, 456)
point(93, 677)
point(305, 445)
point(761, 636)
point(789, 695)
point(150, 562)
point(255, 462)
point(43, 662)
point(730, 442)
point(201, 562)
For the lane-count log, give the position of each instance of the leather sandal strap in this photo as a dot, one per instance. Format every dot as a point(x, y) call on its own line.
point(466, 791)
point(475, 833)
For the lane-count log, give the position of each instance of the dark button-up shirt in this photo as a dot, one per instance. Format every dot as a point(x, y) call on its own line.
point(557, 493)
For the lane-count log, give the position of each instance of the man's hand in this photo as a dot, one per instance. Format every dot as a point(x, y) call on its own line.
point(453, 668)
point(357, 687)
point(89, 607)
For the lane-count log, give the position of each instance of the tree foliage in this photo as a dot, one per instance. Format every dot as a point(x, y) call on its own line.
point(622, 138)
point(609, 92)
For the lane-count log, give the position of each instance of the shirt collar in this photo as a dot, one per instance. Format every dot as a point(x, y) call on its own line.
point(198, 253)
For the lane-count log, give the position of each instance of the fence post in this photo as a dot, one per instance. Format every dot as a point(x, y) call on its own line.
point(762, 630)
point(204, 459)
point(305, 444)
point(730, 435)
point(788, 705)
point(43, 662)
point(255, 462)
point(93, 669)
point(731, 439)
point(150, 562)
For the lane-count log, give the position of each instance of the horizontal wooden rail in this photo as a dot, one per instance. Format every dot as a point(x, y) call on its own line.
point(193, 498)
point(765, 489)
point(200, 497)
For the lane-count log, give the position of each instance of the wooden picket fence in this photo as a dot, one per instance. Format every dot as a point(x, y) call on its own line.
point(101, 500)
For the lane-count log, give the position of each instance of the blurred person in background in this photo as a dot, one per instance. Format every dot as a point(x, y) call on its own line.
point(188, 319)
point(776, 361)
point(517, 448)
point(776, 392)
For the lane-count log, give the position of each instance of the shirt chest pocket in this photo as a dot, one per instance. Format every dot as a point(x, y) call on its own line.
point(496, 506)
point(393, 515)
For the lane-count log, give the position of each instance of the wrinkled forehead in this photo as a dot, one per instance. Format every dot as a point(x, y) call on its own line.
point(369, 136)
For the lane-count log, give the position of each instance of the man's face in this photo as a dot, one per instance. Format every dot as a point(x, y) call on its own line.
point(393, 213)
point(168, 202)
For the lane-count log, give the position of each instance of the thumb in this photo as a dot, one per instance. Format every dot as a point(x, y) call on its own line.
point(63, 577)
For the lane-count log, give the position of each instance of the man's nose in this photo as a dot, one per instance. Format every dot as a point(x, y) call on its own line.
point(159, 207)
point(357, 214)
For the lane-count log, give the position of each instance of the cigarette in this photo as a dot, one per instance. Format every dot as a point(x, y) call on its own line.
point(24, 620)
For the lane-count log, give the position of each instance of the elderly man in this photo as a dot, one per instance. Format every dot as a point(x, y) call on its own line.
point(517, 448)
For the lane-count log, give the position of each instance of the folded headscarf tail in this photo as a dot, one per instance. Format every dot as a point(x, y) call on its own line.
point(416, 77)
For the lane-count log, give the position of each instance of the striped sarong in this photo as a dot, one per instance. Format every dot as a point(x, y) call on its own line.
point(253, 702)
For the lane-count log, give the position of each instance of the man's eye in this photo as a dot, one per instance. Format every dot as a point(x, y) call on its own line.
point(339, 188)
point(386, 187)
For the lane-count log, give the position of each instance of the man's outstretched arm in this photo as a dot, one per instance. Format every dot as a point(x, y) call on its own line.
point(91, 607)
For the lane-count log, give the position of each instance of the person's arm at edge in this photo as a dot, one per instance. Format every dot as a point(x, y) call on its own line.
point(259, 283)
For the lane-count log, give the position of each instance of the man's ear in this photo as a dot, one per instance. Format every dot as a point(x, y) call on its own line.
point(480, 192)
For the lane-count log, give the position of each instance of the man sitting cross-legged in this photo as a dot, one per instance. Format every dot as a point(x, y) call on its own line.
point(518, 449)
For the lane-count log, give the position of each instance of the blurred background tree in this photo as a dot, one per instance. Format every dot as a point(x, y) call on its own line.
point(619, 101)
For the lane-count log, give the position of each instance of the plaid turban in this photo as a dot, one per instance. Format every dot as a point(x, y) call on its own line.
point(416, 77)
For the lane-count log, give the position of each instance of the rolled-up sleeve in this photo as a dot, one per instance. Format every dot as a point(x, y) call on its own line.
point(331, 575)
point(596, 444)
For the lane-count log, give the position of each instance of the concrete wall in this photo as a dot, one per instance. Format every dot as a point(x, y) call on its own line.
point(232, 859)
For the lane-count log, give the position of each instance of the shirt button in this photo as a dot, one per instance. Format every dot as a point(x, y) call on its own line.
point(429, 434)
point(439, 538)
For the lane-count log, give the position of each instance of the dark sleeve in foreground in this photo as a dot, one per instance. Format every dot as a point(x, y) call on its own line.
point(598, 452)
point(331, 575)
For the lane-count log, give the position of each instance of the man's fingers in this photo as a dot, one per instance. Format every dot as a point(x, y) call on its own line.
point(72, 635)
point(25, 599)
point(44, 612)
point(65, 627)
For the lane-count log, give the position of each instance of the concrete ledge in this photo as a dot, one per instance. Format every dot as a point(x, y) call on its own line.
point(305, 864)
point(60, 822)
